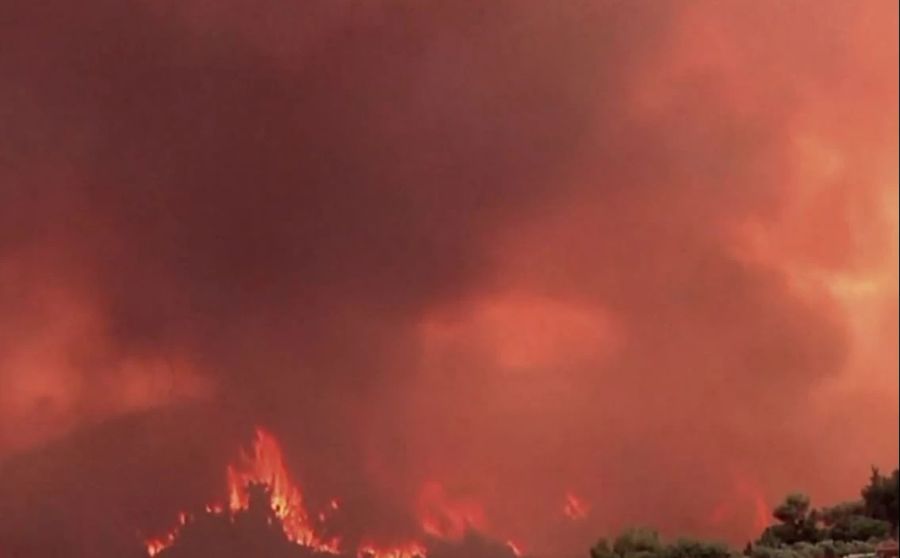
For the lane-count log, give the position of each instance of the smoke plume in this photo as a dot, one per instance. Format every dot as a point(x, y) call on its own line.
point(489, 255)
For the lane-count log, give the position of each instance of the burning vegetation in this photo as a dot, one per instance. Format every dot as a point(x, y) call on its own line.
point(266, 513)
point(585, 264)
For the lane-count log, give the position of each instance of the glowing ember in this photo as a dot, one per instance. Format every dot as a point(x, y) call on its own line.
point(157, 545)
point(409, 550)
point(575, 508)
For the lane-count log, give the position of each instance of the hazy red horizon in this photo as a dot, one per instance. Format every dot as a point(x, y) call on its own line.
point(644, 253)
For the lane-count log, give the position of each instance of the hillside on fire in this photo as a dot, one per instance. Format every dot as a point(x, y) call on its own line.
point(263, 524)
point(261, 512)
point(259, 531)
point(453, 278)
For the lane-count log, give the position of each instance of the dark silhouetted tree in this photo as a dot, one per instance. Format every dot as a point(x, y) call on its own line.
point(798, 523)
point(637, 543)
point(881, 497)
point(689, 548)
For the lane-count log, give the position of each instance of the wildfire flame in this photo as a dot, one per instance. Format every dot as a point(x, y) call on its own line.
point(441, 516)
point(409, 550)
point(264, 464)
point(157, 545)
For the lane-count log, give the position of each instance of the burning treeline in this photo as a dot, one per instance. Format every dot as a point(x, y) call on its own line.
point(265, 515)
point(260, 486)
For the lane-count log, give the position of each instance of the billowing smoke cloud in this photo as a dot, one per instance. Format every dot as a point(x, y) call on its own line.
point(642, 252)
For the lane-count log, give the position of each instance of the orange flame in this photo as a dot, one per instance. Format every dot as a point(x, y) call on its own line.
point(263, 465)
point(266, 466)
point(440, 515)
point(408, 550)
point(157, 545)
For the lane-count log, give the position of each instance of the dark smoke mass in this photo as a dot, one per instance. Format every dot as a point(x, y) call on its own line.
point(486, 257)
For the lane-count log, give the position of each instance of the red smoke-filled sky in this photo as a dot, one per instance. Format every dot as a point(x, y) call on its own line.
point(642, 252)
